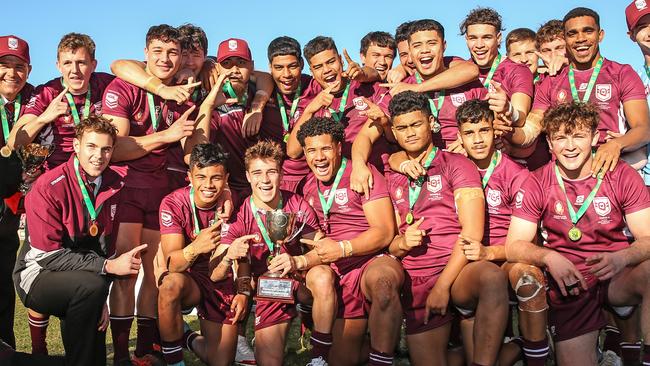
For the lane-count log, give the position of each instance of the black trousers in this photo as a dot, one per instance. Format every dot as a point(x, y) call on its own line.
point(77, 298)
point(8, 247)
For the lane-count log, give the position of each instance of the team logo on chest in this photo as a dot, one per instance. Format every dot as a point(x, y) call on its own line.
point(493, 197)
point(561, 95)
point(434, 185)
point(341, 196)
point(458, 99)
point(360, 104)
point(559, 209)
point(602, 206)
point(398, 192)
point(603, 92)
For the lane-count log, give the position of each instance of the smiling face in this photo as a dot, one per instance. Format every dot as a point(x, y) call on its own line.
point(412, 131)
point(405, 57)
point(193, 59)
point(13, 76)
point(286, 70)
point(483, 42)
point(163, 58)
point(94, 151)
point(264, 175)
point(76, 68)
point(379, 58)
point(523, 52)
point(641, 34)
point(323, 155)
point(583, 37)
point(427, 50)
point(208, 182)
point(573, 150)
point(326, 68)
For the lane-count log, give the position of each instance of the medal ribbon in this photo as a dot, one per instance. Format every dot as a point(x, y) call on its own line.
point(73, 107)
point(583, 208)
point(5, 119)
point(416, 186)
point(197, 228)
point(590, 86)
point(490, 169)
point(647, 70)
point(84, 193)
point(283, 109)
point(344, 100)
point(227, 88)
point(327, 205)
point(152, 112)
point(260, 224)
point(493, 69)
point(432, 105)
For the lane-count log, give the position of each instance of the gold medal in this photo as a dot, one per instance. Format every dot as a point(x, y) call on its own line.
point(409, 218)
point(5, 151)
point(575, 234)
point(94, 229)
point(285, 137)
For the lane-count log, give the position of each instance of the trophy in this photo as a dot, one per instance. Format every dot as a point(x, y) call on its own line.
point(32, 157)
point(281, 227)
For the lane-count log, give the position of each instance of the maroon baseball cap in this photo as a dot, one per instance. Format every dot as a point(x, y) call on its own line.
point(635, 11)
point(14, 46)
point(233, 47)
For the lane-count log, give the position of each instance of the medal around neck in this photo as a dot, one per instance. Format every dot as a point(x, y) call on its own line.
point(279, 228)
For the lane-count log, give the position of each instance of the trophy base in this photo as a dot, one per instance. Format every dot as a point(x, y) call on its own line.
point(272, 287)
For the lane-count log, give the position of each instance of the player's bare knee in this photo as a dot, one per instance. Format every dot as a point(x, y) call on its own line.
point(383, 292)
point(320, 280)
point(493, 280)
point(171, 287)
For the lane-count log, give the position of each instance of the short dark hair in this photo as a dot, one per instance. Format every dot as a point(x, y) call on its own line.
point(474, 111)
point(75, 41)
point(581, 12)
point(317, 126)
point(165, 33)
point(426, 25)
point(193, 38)
point(205, 155)
point(402, 32)
point(549, 31)
point(264, 149)
point(284, 46)
point(318, 45)
point(407, 102)
point(482, 15)
point(520, 35)
point(95, 123)
point(571, 115)
point(380, 39)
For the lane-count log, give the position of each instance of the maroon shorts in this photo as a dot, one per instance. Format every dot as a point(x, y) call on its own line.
point(268, 313)
point(573, 316)
point(177, 179)
point(140, 206)
point(351, 301)
point(216, 298)
point(414, 299)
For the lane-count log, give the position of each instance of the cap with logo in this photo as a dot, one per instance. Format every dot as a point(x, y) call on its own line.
point(14, 46)
point(635, 11)
point(233, 47)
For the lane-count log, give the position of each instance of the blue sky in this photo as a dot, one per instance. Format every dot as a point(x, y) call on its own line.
point(119, 29)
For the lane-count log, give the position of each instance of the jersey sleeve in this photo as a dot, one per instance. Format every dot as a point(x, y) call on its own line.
point(379, 188)
point(631, 85)
point(520, 80)
point(172, 220)
point(463, 173)
point(542, 100)
point(309, 218)
point(631, 188)
point(117, 100)
point(529, 203)
point(39, 101)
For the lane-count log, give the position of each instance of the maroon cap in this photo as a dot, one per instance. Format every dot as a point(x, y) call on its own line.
point(635, 11)
point(14, 46)
point(233, 47)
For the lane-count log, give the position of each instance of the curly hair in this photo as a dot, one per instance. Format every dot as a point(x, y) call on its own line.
point(318, 45)
point(317, 126)
point(482, 15)
point(549, 31)
point(204, 155)
point(407, 102)
point(194, 38)
point(474, 111)
point(95, 123)
point(75, 41)
point(571, 116)
point(265, 149)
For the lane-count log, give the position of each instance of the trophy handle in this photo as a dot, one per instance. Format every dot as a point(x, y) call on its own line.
point(295, 233)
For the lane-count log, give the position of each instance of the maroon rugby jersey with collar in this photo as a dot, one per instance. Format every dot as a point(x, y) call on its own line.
point(513, 77)
point(60, 132)
point(25, 96)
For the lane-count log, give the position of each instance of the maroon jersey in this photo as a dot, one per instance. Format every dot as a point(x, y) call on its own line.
point(245, 224)
point(25, 96)
point(353, 121)
point(500, 192)
point(447, 172)
point(272, 128)
point(615, 85)
point(176, 218)
point(125, 100)
point(60, 132)
point(513, 77)
point(603, 227)
point(346, 218)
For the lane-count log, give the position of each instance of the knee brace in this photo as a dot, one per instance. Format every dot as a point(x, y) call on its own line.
point(530, 292)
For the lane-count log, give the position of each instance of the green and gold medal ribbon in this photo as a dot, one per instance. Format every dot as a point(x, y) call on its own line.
point(283, 110)
point(493, 69)
point(415, 186)
point(490, 169)
point(228, 89)
point(574, 232)
point(197, 228)
point(441, 98)
point(260, 224)
point(344, 100)
point(86, 198)
point(327, 204)
point(152, 112)
point(5, 120)
point(590, 86)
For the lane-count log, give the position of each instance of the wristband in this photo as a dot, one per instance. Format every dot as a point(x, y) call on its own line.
point(227, 261)
point(348, 248)
point(301, 262)
point(515, 114)
point(189, 254)
point(342, 245)
point(402, 165)
point(244, 285)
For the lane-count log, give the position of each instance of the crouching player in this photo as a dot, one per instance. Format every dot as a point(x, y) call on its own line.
point(190, 231)
point(590, 261)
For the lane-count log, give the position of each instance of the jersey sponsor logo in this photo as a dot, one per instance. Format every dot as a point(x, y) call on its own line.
point(602, 206)
point(31, 103)
point(12, 43)
point(583, 87)
point(111, 100)
point(640, 4)
point(341, 196)
point(98, 108)
point(603, 92)
point(232, 44)
point(113, 211)
point(166, 218)
point(561, 95)
point(493, 197)
point(519, 198)
point(458, 99)
point(360, 104)
point(559, 209)
point(57, 179)
point(170, 118)
point(224, 229)
point(580, 199)
point(434, 184)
